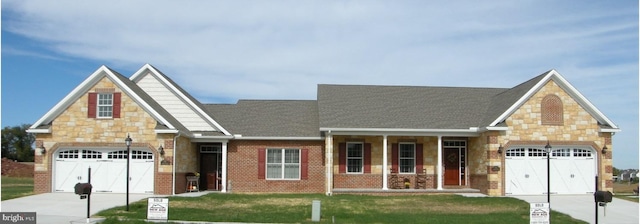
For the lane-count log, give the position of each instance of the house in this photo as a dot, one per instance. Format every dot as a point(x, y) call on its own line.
point(627, 174)
point(351, 138)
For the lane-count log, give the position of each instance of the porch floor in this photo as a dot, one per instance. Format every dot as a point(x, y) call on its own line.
point(379, 191)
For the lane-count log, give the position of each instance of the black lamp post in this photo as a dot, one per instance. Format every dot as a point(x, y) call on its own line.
point(548, 149)
point(128, 142)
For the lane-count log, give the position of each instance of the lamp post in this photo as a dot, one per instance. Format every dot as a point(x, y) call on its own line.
point(548, 149)
point(128, 142)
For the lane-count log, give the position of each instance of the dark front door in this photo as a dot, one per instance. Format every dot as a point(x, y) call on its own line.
point(451, 166)
point(210, 171)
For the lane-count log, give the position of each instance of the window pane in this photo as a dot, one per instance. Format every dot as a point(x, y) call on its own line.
point(292, 156)
point(274, 156)
point(105, 105)
point(291, 171)
point(354, 165)
point(274, 171)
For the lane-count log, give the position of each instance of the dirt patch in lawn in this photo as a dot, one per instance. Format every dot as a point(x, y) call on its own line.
point(11, 168)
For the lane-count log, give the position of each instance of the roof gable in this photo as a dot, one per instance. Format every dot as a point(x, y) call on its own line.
point(189, 111)
point(140, 97)
point(526, 90)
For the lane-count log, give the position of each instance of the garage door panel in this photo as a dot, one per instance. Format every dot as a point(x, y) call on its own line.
point(572, 171)
point(108, 170)
point(67, 175)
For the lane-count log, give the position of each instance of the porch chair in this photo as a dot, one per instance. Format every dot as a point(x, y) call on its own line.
point(394, 182)
point(421, 179)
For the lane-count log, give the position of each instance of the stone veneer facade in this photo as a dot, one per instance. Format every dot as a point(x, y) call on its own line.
point(72, 128)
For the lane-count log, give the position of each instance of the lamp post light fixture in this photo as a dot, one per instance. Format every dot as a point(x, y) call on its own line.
point(128, 141)
point(548, 150)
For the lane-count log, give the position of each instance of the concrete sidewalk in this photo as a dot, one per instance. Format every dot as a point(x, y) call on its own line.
point(55, 208)
point(583, 207)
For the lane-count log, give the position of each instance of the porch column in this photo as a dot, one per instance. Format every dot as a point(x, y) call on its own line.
point(224, 166)
point(384, 163)
point(439, 168)
point(328, 161)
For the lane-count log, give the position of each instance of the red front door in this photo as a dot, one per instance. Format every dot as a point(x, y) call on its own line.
point(451, 167)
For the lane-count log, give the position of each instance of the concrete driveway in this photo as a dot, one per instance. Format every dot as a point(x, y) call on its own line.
point(66, 207)
point(583, 207)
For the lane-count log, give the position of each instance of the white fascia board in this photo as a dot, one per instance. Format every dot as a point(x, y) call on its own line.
point(583, 100)
point(182, 96)
point(522, 99)
point(613, 130)
point(39, 131)
point(471, 132)
point(277, 138)
point(167, 131)
point(494, 129)
point(69, 98)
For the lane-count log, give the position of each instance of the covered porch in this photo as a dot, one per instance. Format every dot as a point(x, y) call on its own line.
point(406, 162)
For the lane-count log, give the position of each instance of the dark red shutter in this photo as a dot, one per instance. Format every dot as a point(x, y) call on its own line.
point(419, 158)
point(93, 104)
point(394, 157)
point(367, 157)
point(342, 157)
point(304, 165)
point(116, 105)
point(261, 163)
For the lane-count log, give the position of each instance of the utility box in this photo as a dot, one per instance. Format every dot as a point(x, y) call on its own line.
point(83, 188)
point(315, 211)
point(603, 196)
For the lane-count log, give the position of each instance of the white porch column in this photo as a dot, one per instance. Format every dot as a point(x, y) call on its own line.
point(439, 168)
point(328, 162)
point(224, 166)
point(384, 163)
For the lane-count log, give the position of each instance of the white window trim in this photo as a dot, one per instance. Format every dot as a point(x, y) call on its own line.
point(283, 163)
point(348, 157)
point(98, 105)
point(400, 157)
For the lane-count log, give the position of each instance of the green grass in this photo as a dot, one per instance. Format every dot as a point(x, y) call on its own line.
point(294, 208)
point(15, 187)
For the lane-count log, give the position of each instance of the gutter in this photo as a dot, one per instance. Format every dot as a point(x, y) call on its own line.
point(173, 173)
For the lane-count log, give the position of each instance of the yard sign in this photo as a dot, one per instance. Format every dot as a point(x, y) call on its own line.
point(158, 209)
point(539, 213)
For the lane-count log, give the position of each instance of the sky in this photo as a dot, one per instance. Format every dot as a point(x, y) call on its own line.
point(223, 51)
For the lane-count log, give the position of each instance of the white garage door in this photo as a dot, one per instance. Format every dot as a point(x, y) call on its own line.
point(108, 170)
point(572, 170)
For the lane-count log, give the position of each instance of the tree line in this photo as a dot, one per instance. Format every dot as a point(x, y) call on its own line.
point(17, 144)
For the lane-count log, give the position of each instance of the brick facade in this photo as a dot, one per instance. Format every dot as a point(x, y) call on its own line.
point(243, 168)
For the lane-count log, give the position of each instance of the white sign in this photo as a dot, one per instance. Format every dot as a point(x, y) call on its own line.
point(158, 209)
point(539, 213)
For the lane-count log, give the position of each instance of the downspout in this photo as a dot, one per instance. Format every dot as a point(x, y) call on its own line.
point(173, 173)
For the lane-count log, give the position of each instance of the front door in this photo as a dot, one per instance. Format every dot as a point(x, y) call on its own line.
point(451, 166)
point(210, 169)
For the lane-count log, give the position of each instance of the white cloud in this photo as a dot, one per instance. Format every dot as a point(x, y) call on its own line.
point(223, 50)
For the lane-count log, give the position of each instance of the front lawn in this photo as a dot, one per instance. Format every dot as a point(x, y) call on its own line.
point(15, 187)
point(296, 208)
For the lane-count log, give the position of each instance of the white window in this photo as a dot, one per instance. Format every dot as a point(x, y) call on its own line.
point(105, 105)
point(407, 157)
point(355, 157)
point(283, 164)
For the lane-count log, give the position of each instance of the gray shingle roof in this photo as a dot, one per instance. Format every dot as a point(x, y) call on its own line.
point(406, 107)
point(268, 118)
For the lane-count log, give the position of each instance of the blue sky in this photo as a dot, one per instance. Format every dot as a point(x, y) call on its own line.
point(222, 51)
